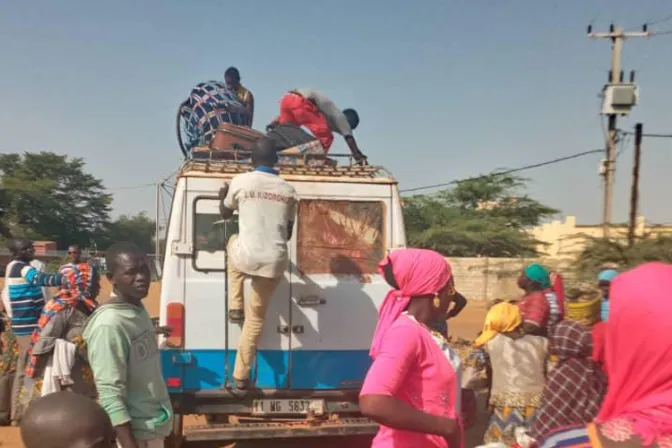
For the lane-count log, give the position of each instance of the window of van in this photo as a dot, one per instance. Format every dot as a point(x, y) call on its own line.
point(340, 237)
point(210, 235)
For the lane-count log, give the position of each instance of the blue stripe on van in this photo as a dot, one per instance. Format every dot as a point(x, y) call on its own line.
point(323, 369)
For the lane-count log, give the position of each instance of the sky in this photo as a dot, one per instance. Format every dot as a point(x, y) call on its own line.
point(445, 89)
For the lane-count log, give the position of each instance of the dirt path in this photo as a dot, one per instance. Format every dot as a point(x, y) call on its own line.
point(466, 325)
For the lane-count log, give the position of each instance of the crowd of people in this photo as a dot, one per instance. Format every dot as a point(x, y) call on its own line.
point(551, 382)
point(61, 353)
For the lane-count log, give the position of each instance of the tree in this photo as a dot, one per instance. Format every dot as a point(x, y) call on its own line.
point(139, 229)
point(599, 253)
point(50, 196)
point(487, 216)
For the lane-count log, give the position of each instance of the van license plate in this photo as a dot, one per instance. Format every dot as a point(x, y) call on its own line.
point(287, 407)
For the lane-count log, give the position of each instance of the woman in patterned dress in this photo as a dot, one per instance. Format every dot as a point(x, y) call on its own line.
point(637, 352)
point(515, 362)
point(63, 317)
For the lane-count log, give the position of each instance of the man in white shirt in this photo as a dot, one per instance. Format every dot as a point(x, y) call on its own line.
point(314, 110)
point(266, 206)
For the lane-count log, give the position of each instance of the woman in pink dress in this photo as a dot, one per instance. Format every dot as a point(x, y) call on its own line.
point(411, 387)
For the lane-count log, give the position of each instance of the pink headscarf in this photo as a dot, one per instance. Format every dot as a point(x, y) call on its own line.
point(417, 272)
point(638, 351)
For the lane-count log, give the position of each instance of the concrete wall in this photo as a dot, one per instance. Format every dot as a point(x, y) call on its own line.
point(482, 279)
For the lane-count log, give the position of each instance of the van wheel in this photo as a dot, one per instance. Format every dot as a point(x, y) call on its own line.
point(176, 438)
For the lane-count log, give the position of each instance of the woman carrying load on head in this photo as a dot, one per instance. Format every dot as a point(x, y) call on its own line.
point(576, 386)
point(637, 408)
point(60, 331)
point(540, 307)
point(516, 362)
point(412, 387)
point(604, 280)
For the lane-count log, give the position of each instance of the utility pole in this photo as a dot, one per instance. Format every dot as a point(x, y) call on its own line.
point(157, 228)
point(614, 106)
point(634, 195)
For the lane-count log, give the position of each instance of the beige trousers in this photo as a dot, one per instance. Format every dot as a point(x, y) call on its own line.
point(24, 345)
point(255, 313)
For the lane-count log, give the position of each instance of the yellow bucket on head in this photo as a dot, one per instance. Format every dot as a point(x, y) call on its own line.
point(583, 305)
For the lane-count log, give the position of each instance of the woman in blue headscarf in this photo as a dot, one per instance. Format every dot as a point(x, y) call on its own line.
point(604, 280)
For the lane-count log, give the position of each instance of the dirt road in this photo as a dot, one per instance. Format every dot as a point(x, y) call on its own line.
point(466, 325)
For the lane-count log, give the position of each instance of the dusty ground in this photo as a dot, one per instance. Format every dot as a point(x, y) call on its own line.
point(466, 325)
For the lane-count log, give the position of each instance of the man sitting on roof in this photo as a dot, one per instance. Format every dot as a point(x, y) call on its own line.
point(232, 80)
point(313, 109)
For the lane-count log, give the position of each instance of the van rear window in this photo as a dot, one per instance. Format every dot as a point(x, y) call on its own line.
point(340, 237)
point(211, 235)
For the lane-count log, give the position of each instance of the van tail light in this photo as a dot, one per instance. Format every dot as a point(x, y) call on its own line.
point(174, 383)
point(175, 321)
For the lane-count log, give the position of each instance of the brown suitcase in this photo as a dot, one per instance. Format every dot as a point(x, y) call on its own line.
point(230, 137)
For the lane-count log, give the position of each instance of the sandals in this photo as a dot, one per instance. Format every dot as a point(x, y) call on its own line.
point(236, 316)
point(240, 388)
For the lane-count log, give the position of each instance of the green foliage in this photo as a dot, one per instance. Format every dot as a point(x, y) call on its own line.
point(600, 253)
point(487, 216)
point(46, 196)
point(139, 229)
point(50, 197)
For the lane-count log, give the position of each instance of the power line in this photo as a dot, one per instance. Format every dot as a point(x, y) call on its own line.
point(662, 33)
point(648, 135)
point(132, 187)
point(502, 173)
point(659, 21)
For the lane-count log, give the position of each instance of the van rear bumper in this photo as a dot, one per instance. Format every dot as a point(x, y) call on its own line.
point(223, 401)
point(283, 430)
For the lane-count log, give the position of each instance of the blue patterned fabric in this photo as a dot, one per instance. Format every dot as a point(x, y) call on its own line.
point(205, 110)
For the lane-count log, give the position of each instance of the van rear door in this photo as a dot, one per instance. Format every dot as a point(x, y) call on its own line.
point(336, 289)
point(211, 339)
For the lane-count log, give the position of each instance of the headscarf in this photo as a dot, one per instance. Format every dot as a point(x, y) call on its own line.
point(639, 363)
point(502, 318)
point(538, 274)
point(576, 386)
point(607, 275)
point(599, 333)
point(417, 272)
point(78, 282)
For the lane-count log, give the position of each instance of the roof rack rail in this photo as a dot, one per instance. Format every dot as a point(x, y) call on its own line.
point(207, 160)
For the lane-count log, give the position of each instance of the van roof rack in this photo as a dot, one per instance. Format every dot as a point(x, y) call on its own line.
point(205, 160)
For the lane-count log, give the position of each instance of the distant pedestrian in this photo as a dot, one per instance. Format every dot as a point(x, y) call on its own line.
point(60, 331)
point(9, 353)
point(26, 298)
point(516, 364)
point(576, 387)
point(604, 280)
point(124, 355)
point(66, 420)
point(541, 308)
